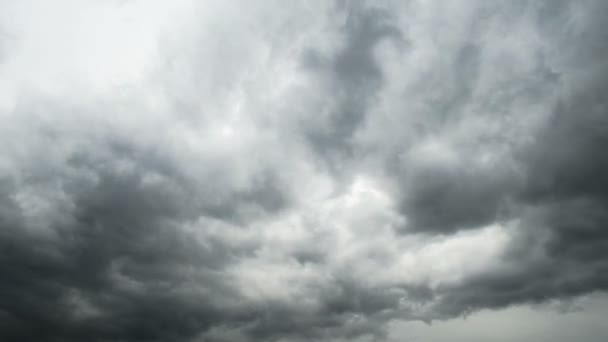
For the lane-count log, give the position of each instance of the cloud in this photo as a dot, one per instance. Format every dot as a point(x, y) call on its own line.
point(351, 74)
point(314, 172)
point(559, 204)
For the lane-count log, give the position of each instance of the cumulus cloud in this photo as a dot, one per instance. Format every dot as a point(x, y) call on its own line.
point(211, 171)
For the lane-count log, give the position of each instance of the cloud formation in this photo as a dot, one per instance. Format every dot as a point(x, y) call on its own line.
point(249, 172)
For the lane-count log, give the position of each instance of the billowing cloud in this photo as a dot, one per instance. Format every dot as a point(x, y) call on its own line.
point(211, 171)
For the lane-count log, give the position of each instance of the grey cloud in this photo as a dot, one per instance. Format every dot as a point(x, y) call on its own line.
point(128, 233)
point(354, 76)
point(560, 255)
point(477, 116)
point(122, 257)
point(111, 259)
point(566, 159)
point(454, 196)
point(561, 239)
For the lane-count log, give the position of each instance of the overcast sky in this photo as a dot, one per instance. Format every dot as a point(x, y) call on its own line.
point(290, 171)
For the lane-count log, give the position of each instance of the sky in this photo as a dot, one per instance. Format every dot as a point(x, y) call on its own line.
point(306, 170)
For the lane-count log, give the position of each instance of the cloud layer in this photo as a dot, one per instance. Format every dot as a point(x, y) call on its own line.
point(204, 171)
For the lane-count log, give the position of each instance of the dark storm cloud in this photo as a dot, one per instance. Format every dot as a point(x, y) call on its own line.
point(560, 255)
point(111, 260)
point(458, 176)
point(566, 160)
point(116, 268)
point(353, 75)
point(149, 231)
point(560, 248)
point(463, 195)
point(444, 194)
